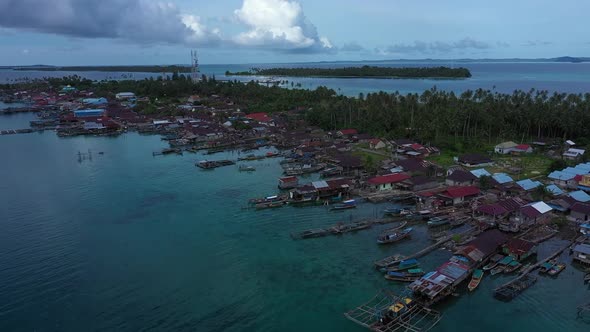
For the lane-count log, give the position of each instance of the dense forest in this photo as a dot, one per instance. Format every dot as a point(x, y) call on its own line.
point(364, 71)
point(127, 69)
point(470, 118)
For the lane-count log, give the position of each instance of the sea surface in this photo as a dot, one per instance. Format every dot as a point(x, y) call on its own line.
point(502, 77)
point(125, 241)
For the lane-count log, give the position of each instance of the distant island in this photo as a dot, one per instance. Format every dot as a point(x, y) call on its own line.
point(133, 69)
point(364, 71)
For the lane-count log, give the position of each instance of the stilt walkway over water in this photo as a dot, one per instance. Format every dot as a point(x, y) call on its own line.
point(342, 228)
point(395, 259)
point(513, 288)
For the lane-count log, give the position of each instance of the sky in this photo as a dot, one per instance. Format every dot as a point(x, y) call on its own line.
point(139, 32)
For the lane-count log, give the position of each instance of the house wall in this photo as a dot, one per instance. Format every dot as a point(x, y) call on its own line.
point(579, 216)
point(425, 186)
point(452, 183)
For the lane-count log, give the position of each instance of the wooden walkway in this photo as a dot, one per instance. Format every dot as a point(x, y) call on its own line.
point(342, 228)
point(511, 289)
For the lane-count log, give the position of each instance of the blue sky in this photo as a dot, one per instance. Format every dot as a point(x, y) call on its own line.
point(86, 32)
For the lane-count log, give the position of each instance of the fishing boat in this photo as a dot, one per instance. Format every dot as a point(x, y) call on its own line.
point(244, 168)
point(394, 237)
point(475, 279)
point(524, 268)
point(394, 229)
point(311, 233)
point(512, 267)
point(556, 269)
point(410, 275)
point(458, 221)
point(545, 267)
point(501, 265)
point(493, 262)
point(269, 205)
point(397, 212)
point(405, 265)
point(348, 204)
point(437, 221)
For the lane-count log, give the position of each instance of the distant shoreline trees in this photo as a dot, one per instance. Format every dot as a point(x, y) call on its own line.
point(364, 71)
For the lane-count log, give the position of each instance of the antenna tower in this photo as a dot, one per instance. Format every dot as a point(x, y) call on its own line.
point(194, 66)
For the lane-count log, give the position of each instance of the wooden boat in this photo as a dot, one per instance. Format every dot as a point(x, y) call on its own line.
point(502, 265)
point(556, 269)
point(244, 168)
point(475, 279)
point(349, 204)
point(493, 262)
point(311, 233)
point(410, 275)
point(545, 267)
point(342, 228)
point(524, 268)
point(512, 267)
point(397, 212)
point(269, 205)
point(405, 265)
point(458, 221)
point(437, 221)
point(394, 229)
point(587, 277)
point(394, 237)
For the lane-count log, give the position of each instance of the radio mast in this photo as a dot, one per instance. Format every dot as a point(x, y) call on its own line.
point(194, 66)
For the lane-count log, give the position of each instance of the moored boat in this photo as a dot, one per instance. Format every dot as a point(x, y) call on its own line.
point(401, 225)
point(407, 276)
point(513, 266)
point(437, 221)
point(310, 234)
point(587, 277)
point(502, 265)
point(556, 269)
point(493, 262)
point(475, 279)
point(394, 237)
point(405, 265)
point(244, 168)
point(348, 204)
point(545, 267)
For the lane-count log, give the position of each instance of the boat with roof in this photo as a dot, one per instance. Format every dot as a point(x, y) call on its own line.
point(545, 267)
point(502, 264)
point(394, 237)
point(512, 267)
point(556, 269)
point(348, 204)
point(410, 275)
point(493, 262)
point(475, 279)
point(405, 265)
point(437, 221)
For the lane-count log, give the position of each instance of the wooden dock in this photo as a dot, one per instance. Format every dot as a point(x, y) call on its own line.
point(514, 287)
point(342, 228)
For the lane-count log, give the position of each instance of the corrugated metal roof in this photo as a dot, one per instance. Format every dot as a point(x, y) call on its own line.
point(580, 196)
point(542, 207)
point(559, 175)
point(554, 190)
point(320, 184)
point(502, 178)
point(480, 172)
point(528, 184)
point(582, 248)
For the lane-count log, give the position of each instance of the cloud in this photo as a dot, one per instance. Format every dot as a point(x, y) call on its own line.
point(435, 47)
point(351, 47)
point(141, 21)
point(533, 43)
point(279, 24)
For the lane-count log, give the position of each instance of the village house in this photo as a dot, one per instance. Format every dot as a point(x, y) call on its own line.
point(474, 160)
point(501, 210)
point(458, 195)
point(563, 179)
point(528, 184)
point(387, 182)
point(529, 215)
point(573, 153)
point(580, 212)
point(460, 178)
point(418, 183)
point(376, 144)
point(512, 148)
point(415, 166)
point(519, 249)
point(579, 196)
point(581, 254)
point(348, 133)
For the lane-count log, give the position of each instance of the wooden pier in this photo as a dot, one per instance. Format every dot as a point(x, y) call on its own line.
point(514, 287)
point(395, 259)
point(342, 228)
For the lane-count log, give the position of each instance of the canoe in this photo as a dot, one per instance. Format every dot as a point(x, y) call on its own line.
point(475, 279)
point(437, 221)
point(394, 237)
point(556, 269)
point(497, 269)
point(394, 229)
point(349, 204)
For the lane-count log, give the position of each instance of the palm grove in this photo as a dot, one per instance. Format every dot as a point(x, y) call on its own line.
point(472, 117)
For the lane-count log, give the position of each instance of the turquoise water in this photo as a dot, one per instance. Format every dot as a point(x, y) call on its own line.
point(131, 242)
point(502, 77)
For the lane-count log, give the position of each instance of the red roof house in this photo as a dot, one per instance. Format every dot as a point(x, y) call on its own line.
point(347, 132)
point(457, 195)
point(385, 182)
point(260, 117)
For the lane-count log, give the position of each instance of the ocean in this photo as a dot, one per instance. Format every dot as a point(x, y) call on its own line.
point(125, 241)
point(504, 77)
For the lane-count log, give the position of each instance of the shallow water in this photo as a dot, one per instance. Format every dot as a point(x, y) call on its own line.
point(127, 242)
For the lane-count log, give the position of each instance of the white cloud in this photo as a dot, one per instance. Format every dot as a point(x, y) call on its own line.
point(279, 24)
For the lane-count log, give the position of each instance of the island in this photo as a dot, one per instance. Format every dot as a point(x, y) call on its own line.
point(360, 72)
